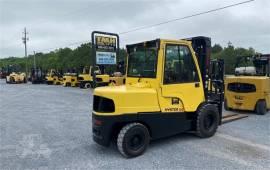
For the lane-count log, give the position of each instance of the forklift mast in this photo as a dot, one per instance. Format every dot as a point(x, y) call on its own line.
point(262, 64)
point(212, 71)
point(202, 47)
point(260, 61)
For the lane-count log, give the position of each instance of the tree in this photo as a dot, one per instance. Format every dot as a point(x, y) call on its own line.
point(66, 58)
point(216, 48)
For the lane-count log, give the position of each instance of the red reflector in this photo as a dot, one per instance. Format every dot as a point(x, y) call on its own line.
point(98, 122)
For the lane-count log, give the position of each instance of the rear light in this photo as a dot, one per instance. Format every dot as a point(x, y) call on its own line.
point(103, 105)
point(98, 122)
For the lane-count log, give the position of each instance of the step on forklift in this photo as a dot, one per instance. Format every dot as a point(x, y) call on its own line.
point(249, 88)
point(168, 90)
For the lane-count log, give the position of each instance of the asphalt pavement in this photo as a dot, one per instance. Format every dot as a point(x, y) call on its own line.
point(49, 127)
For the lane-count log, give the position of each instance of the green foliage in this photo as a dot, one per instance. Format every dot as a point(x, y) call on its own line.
point(229, 55)
point(66, 58)
point(61, 59)
point(216, 48)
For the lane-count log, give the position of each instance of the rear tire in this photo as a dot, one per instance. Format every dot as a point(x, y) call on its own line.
point(87, 85)
point(207, 120)
point(261, 107)
point(133, 139)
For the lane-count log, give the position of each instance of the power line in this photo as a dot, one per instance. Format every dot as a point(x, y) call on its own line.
point(186, 17)
point(162, 23)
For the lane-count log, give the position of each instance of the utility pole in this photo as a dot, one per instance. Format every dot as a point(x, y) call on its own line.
point(24, 40)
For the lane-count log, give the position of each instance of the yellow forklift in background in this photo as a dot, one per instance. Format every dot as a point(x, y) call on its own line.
point(166, 93)
point(15, 78)
point(86, 78)
point(54, 77)
point(70, 79)
point(249, 88)
point(117, 79)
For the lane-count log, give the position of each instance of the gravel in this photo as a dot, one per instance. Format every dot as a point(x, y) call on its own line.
point(49, 127)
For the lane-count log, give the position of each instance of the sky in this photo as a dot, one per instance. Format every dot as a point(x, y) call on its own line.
point(53, 24)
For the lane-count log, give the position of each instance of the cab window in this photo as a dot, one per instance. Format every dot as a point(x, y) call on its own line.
point(179, 65)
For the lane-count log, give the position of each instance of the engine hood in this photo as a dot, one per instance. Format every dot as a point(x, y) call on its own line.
point(130, 98)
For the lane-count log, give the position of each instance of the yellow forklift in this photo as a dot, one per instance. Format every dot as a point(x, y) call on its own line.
point(86, 78)
point(54, 77)
point(249, 88)
point(166, 93)
point(70, 79)
point(16, 78)
point(117, 79)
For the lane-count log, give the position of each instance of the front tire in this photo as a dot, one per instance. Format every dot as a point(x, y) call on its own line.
point(133, 139)
point(207, 121)
point(261, 108)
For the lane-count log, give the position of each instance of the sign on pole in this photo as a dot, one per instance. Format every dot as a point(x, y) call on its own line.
point(105, 47)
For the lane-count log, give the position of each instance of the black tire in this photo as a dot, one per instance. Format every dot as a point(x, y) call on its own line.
point(87, 85)
point(261, 107)
point(133, 139)
point(207, 120)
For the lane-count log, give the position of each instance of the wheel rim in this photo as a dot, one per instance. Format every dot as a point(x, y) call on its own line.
point(209, 122)
point(136, 141)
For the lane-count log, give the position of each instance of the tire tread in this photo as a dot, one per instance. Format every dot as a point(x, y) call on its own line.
point(121, 135)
